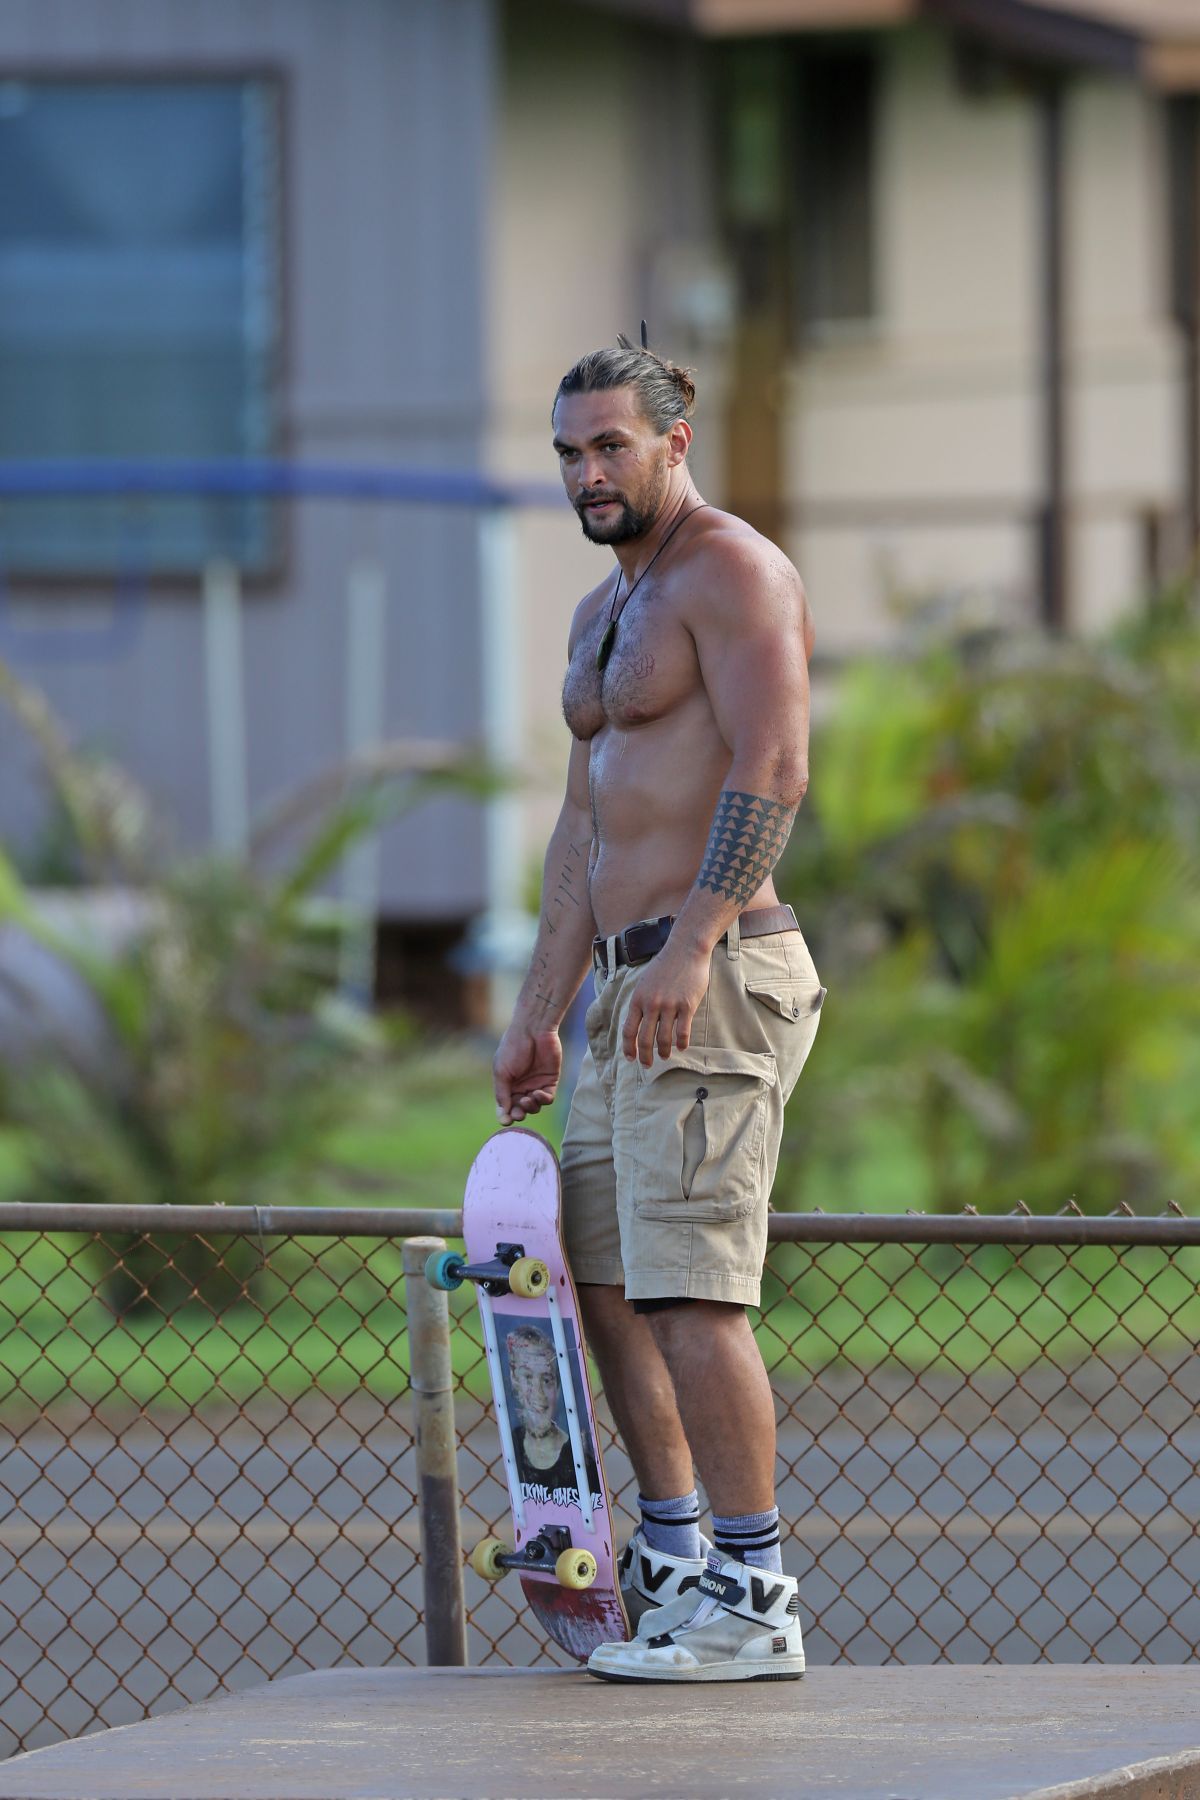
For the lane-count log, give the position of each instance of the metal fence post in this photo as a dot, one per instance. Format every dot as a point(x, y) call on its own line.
point(432, 1381)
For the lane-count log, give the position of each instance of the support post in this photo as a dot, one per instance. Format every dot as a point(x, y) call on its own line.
point(1183, 151)
point(366, 676)
point(1054, 563)
point(503, 938)
point(432, 1382)
point(225, 703)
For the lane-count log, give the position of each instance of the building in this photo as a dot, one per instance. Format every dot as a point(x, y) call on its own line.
point(935, 260)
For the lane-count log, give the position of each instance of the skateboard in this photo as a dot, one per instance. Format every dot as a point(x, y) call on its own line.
point(561, 1511)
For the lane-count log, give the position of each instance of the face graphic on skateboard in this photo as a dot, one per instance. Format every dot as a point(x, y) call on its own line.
point(537, 1410)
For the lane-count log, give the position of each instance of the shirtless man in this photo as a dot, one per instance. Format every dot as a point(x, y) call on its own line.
point(687, 700)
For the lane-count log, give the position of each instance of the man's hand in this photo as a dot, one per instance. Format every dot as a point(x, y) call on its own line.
point(664, 1002)
point(525, 1073)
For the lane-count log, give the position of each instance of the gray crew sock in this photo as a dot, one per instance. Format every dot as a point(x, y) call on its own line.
point(672, 1526)
point(752, 1538)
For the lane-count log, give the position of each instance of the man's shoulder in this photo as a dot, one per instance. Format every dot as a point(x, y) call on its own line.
point(730, 564)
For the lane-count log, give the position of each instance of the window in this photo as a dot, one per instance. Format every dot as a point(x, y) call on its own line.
point(836, 149)
point(139, 308)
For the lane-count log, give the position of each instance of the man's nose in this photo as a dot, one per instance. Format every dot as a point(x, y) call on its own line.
point(591, 472)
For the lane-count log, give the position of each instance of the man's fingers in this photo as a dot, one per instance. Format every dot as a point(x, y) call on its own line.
point(629, 1031)
point(647, 1034)
point(666, 1034)
point(683, 1030)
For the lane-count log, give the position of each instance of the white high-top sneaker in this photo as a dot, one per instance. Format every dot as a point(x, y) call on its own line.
point(743, 1627)
point(653, 1582)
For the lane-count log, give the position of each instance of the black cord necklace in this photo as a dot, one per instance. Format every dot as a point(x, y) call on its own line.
point(610, 630)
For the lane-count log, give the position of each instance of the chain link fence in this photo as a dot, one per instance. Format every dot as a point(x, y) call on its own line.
point(988, 1450)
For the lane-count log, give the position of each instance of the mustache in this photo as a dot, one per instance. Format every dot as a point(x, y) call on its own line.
point(598, 500)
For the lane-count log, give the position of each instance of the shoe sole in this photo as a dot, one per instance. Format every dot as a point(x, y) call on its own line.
point(717, 1672)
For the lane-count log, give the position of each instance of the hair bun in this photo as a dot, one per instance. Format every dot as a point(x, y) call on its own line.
point(685, 384)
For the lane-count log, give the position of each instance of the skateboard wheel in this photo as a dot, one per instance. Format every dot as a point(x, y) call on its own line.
point(528, 1278)
point(483, 1558)
point(444, 1270)
point(575, 1568)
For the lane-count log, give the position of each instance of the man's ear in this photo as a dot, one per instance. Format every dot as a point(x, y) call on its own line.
point(678, 439)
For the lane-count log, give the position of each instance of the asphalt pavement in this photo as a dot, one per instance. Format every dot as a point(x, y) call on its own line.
point(147, 1564)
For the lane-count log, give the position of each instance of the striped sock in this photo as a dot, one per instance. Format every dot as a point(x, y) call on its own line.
point(752, 1538)
point(672, 1526)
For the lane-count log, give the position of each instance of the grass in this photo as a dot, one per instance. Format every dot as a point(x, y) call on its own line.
point(324, 1315)
point(320, 1315)
point(412, 1144)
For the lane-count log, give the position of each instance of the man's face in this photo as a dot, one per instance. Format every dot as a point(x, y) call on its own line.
point(614, 464)
point(535, 1388)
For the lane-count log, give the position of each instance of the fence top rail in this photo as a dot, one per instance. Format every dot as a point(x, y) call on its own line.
point(1169, 1228)
point(1174, 1228)
point(236, 1221)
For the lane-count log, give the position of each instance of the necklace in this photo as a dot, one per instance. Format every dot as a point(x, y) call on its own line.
point(610, 630)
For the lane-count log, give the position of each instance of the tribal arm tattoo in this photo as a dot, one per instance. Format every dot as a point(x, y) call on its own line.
point(746, 841)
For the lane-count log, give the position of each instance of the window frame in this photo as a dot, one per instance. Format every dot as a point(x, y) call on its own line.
point(813, 327)
point(270, 576)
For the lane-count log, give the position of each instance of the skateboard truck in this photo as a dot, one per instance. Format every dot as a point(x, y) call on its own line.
point(549, 1553)
point(509, 1272)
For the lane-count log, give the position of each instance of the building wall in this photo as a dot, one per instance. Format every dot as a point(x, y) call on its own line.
point(387, 142)
point(601, 214)
point(914, 442)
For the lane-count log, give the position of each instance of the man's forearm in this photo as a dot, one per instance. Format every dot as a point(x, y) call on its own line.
point(562, 952)
point(749, 832)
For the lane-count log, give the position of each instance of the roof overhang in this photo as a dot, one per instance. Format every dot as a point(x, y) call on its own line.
point(752, 18)
point(1153, 41)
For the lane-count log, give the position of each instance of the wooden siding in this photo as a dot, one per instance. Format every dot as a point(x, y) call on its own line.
point(386, 134)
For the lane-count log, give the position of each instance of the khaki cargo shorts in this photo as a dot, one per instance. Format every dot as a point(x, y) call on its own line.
point(667, 1171)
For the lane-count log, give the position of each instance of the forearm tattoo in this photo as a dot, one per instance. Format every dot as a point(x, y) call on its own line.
point(569, 891)
point(746, 841)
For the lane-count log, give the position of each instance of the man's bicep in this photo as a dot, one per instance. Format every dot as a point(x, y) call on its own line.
point(752, 658)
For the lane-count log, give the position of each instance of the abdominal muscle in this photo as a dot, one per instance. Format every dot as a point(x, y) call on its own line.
point(654, 789)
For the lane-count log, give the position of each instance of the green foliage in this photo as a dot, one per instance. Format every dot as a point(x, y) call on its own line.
point(997, 870)
point(228, 1059)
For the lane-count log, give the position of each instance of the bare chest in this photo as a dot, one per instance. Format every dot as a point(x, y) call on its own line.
point(651, 668)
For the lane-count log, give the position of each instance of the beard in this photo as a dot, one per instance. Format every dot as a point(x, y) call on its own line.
point(632, 520)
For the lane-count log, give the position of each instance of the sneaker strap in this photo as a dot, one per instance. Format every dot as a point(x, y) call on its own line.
point(759, 1595)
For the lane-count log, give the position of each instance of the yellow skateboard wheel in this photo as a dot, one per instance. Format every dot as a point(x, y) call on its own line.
point(529, 1277)
point(575, 1568)
point(483, 1558)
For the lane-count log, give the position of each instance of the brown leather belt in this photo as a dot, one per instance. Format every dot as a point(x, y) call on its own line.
point(638, 943)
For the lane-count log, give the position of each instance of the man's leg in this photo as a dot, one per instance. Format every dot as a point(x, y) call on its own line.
point(740, 1621)
point(639, 1390)
point(724, 1400)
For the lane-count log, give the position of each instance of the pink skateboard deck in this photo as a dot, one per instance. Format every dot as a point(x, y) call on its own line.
point(543, 1399)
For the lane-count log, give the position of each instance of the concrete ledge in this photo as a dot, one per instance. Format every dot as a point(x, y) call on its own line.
point(944, 1733)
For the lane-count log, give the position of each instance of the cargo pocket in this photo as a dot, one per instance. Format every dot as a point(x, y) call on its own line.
point(700, 1134)
point(792, 1006)
point(793, 998)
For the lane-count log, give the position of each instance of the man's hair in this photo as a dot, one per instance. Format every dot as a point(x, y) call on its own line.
point(664, 390)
